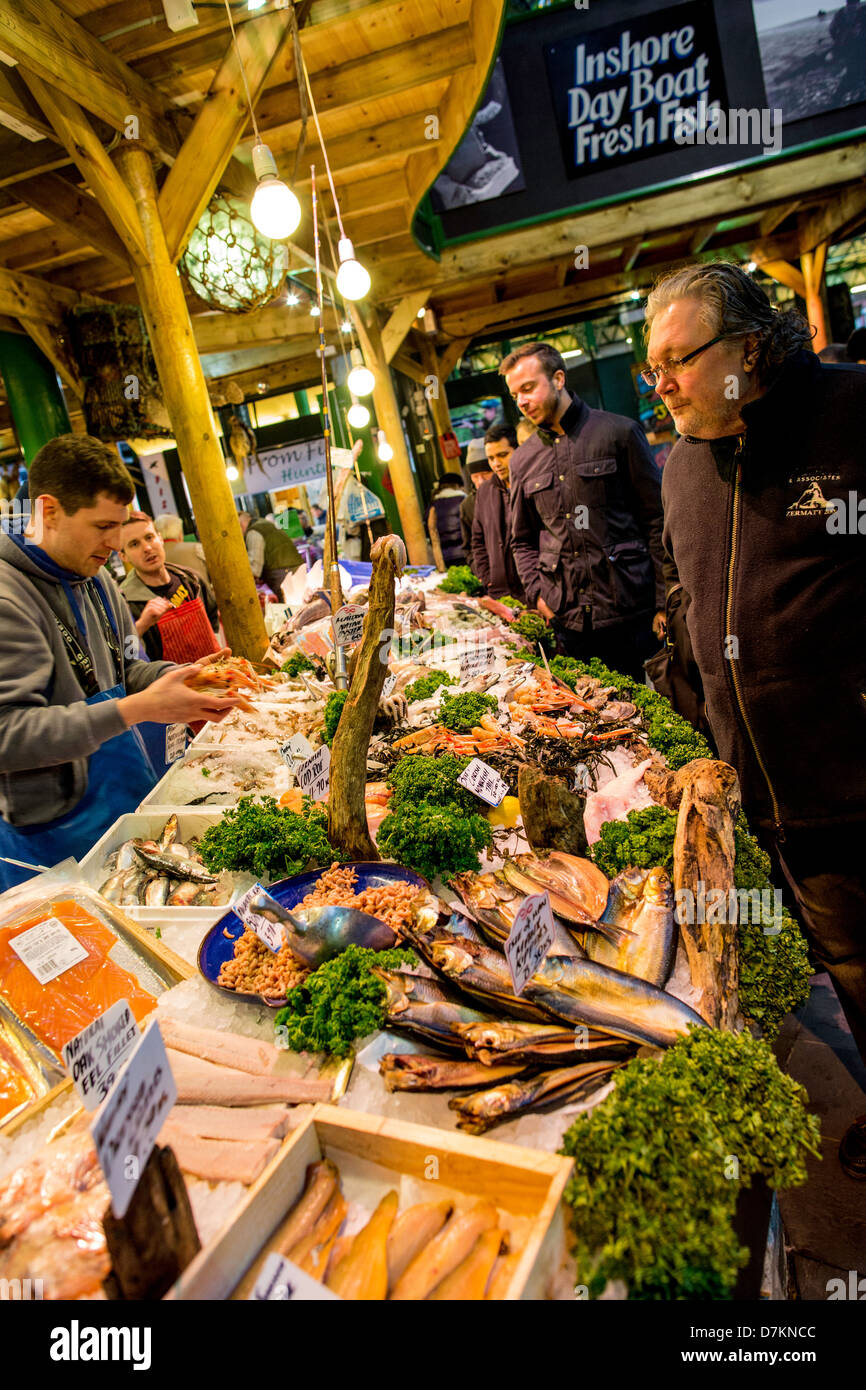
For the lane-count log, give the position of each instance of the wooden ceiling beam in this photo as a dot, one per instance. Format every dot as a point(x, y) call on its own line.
point(275, 324)
point(365, 146)
point(18, 110)
point(28, 297)
point(219, 125)
point(376, 75)
point(400, 320)
point(450, 355)
point(414, 370)
point(288, 374)
point(841, 213)
point(366, 228)
point(702, 234)
point(775, 216)
point(785, 273)
point(78, 212)
point(88, 153)
point(45, 40)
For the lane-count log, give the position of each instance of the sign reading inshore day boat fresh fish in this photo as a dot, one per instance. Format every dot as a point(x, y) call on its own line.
point(95, 1056)
point(530, 939)
point(270, 933)
point(483, 782)
point(126, 1128)
point(279, 1280)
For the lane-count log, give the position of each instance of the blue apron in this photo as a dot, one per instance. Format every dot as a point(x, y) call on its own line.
point(120, 774)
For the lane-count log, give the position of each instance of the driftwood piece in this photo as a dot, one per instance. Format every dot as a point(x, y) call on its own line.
point(347, 814)
point(155, 1241)
point(704, 861)
point(662, 785)
point(552, 815)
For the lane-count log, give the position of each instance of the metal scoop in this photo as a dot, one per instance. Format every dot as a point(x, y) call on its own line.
point(323, 932)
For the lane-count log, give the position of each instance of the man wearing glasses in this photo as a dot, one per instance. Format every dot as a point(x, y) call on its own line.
point(758, 498)
point(586, 517)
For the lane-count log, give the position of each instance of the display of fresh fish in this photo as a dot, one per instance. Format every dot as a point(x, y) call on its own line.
point(579, 881)
point(539, 1044)
point(156, 891)
point(363, 1273)
point(495, 904)
point(310, 1254)
point(624, 793)
point(126, 854)
point(134, 885)
point(469, 1280)
point(184, 895)
point(503, 1272)
point(321, 1183)
point(477, 970)
point(169, 832)
point(444, 1252)
point(421, 1007)
point(413, 1071)
point(112, 888)
point(643, 901)
point(580, 991)
point(412, 1232)
point(569, 907)
point(483, 1109)
point(174, 866)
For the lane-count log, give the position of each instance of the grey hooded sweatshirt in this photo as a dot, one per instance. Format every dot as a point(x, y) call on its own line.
point(47, 730)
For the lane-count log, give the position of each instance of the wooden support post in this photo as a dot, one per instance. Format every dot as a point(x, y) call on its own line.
point(437, 399)
point(186, 398)
point(388, 415)
point(812, 265)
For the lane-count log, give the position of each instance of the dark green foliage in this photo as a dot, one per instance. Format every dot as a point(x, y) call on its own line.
point(462, 712)
point(644, 840)
point(339, 1002)
point(434, 839)
point(333, 710)
point(461, 580)
point(425, 686)
point(267, 840)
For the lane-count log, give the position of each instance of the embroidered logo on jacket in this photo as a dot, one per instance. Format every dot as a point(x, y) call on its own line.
point(811, 502)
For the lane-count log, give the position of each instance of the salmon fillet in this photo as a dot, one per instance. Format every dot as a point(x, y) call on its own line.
point(202, 1083)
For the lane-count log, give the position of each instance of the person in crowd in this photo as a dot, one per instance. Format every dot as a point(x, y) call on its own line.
point(492, 556)
point(857, 347)
point(273, 554)
point(479, 472)
point(525, 430)
point(189, 554)
point(153, 586)
point(586, 518)
point(443, 521)
point(773, 569)
point(72, 690)
point(835, 352)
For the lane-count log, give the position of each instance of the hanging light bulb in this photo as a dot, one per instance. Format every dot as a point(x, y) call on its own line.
point(360, 380)
point(345, 326)
point(314, 311)
point(275, 210)
point(292, 298)
point(232, 473)
point(358, 415)
point(353, 281)
point(255, 4)
point(384, 451)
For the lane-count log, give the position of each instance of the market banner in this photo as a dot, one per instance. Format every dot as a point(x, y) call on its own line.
point(618, 92)
point(289, 465)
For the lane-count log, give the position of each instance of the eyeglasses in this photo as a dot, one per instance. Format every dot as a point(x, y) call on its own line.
point(651, 375)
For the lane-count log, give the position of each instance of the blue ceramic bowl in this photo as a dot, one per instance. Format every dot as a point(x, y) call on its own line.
point(219, 947)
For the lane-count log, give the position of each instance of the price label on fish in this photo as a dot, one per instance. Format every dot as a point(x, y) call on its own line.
point(296, 751)
point(280, 1280)
point(95, 1056)
point(175, 742)
point(314, 774)
point(348, 624)
point(125, 1129)
point(530, 939)
point(483, 782)
point(475, 659)
point(250, 907)
point(48, 949)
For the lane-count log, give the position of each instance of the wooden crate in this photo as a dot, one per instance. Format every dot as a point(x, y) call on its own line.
point(522, 1183)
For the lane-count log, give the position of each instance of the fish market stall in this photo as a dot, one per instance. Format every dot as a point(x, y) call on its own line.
point(461, 898)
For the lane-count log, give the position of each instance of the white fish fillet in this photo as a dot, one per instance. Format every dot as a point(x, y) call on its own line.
point(227, 1122)
point(627, 792)
point(216, 1045)
point(204, 1083)
point(219, 1160)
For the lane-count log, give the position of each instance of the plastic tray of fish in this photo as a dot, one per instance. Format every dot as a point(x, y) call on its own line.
point(209, 777)
point(100, 867)
point(272, 722)
point(520, 1189)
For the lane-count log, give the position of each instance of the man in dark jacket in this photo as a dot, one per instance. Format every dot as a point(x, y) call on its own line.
point(492, 555)
point(586, 517)
point(479, 473)
point(761, 529)
point(153, 587)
